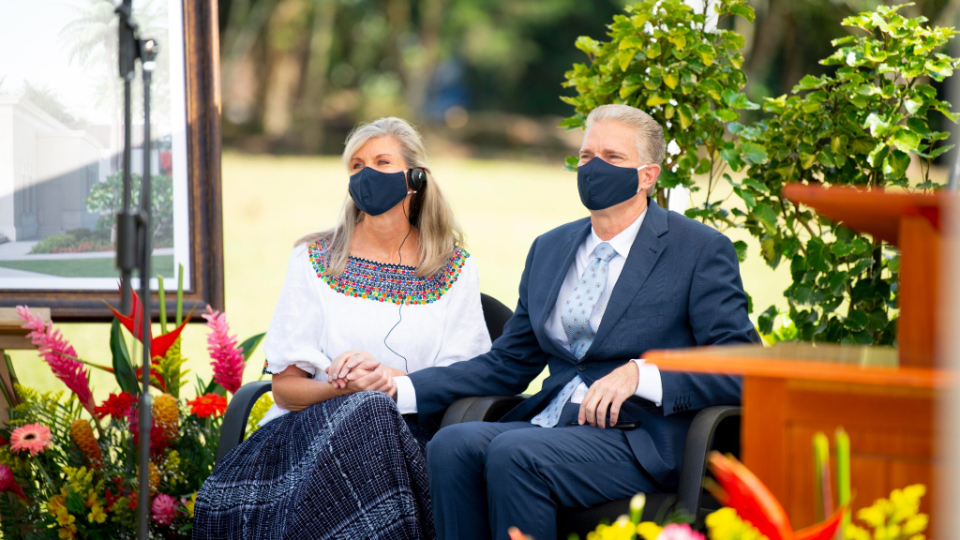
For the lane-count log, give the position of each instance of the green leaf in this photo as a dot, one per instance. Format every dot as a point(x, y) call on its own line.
point(679, 40)
point(588, 45)
point(122, 368)
point(712, 88)
point(766, 319)
point(624, 58)
point(653, 50)
point(877, 126)
point(250, 344)
point(807, 160)
point(671, 80)
point(631, 42)
point(742, 10)
point(570, 163)
point(706, 54)
point(685, 114)
point(906, 140)
point(767, 215)
point(656, 99)
point(856, 320)
point(753, 153)
point(741, 248)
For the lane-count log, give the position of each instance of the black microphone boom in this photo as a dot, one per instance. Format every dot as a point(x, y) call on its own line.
point(135, 234)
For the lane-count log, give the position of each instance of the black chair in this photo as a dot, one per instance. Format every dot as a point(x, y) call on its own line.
point(714, 428)
point(234, 427)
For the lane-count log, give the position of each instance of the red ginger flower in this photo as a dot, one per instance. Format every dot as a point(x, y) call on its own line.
point(59, 355)
point(8, 484)
point(227, 357)
point(134, 323)
point(741, 490)
point(208, 405)
point(116, 406)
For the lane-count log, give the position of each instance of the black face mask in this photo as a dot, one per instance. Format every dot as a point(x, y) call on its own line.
point(375, 192)
point(603, 185)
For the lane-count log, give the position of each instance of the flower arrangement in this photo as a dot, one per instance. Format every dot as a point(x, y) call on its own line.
point(68, 464)
point(751, 512)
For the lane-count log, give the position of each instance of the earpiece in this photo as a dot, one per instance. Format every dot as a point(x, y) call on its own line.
point(417, 178)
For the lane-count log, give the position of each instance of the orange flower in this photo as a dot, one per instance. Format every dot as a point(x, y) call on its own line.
point(166, 414)
point(82, 433)
point(208, 405)
point(741, 490)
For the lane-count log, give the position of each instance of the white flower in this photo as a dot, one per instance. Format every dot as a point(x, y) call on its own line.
point(675, 167)
point(673, 102)
point(669, 124)
point(673, 148)
point(851, 58)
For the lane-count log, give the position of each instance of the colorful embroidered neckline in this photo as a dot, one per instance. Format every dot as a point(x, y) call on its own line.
point(393, 283)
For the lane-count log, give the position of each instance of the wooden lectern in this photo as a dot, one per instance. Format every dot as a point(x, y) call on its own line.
point(12, 337)
point(883, 397)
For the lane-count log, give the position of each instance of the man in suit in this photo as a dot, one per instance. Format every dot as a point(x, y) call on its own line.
point(595, 295)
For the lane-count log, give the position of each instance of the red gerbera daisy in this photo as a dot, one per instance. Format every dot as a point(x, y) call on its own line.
point(117, 406)
point(208, 405)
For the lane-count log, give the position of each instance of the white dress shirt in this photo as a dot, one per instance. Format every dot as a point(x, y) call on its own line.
point(649, 385)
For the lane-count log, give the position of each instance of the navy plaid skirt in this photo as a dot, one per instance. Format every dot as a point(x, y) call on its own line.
point(350, 467)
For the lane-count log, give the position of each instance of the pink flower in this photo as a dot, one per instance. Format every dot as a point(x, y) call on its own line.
point(59, 355)
point(227, 356)
point(8, 484)
point(675, 531)
point(34, 438)
point(164, 509)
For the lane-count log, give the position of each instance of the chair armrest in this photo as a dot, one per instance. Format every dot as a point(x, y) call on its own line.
point(700, 439)
point(238, 411)
point(479, 409)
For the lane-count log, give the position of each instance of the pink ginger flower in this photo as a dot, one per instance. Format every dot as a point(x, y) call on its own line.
point(59, 355)
point(33, 438)
point(163, 509)
point(227, 356)
point(676, 531)
point(8, 484)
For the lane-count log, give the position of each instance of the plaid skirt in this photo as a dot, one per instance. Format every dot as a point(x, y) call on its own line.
point(350, 467)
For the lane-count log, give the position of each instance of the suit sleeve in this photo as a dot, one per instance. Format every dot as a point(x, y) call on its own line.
point(515, 359)
point(718, 316)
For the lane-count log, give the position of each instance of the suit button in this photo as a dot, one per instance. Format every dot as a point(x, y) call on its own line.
point(581, 367)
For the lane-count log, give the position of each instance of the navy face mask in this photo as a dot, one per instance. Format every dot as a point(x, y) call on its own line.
point(603, 185)
point(375, 192)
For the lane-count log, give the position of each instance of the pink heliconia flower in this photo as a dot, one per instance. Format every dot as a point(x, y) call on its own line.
point(33, 438)
point(59, 355)
point(676, 531)
point(227, 356)
point(163, 509)
point(8, 484)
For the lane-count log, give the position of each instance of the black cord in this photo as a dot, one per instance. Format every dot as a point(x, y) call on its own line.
point(406, 368)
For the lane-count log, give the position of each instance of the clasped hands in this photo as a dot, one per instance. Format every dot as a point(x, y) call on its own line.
point(358, 371)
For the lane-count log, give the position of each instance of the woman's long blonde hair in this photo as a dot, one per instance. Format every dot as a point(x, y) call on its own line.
point(440, 234)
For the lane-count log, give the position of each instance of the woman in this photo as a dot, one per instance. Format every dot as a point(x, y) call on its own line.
point(388, 291)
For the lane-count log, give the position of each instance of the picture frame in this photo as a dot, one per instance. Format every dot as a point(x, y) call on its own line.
point(197, 230)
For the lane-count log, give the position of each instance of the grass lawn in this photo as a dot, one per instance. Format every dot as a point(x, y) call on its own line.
point(270, 201)
point(99, 267)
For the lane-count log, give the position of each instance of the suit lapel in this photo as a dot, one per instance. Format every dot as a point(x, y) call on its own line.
point(644, 254)
point(561, 264)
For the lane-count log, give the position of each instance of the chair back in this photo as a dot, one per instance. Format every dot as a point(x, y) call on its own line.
point(495, 314)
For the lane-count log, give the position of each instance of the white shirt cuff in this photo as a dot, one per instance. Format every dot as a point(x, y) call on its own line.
point(649, 385)
point(407, 396)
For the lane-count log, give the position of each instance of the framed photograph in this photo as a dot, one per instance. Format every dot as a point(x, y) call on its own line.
point(61, 144)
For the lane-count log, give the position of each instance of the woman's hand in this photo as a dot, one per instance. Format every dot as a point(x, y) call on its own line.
point(344, 364)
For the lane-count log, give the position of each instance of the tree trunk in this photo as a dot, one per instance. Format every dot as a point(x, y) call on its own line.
point(318, 65)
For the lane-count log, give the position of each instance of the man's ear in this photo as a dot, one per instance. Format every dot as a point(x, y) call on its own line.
point(648, 177)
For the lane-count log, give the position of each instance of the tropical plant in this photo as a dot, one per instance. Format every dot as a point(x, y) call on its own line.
point(679, 66)
point(67, 465)
point(861, 125)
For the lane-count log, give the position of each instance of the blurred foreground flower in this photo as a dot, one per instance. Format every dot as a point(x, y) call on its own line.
point(8, 484)
point(227, 356)
point(738, 488)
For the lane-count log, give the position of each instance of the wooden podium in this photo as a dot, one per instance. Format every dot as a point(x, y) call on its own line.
point(884, 398)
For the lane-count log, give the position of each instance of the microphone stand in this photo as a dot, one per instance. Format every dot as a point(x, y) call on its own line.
point(135, 233)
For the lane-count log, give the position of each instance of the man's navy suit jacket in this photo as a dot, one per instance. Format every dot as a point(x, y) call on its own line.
point(680, 287)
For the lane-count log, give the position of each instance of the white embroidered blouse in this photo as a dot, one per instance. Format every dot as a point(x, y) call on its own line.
point(319, 317)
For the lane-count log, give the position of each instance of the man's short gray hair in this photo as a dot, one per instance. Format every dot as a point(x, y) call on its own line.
point(649, 140)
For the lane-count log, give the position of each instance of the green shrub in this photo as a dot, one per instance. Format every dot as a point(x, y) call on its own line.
point(861, 125)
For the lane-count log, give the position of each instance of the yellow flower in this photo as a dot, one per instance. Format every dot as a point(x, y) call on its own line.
point(79, 479)
point(725, 524)
point(621, 529)
point(189, 504)
point(166, 412)
point(96, 514)
point(649, 530)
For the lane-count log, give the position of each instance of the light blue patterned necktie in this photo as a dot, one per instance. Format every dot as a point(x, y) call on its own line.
point(575, 318)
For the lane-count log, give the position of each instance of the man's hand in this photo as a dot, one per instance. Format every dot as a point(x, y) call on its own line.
point(609, 393)
point(371, 375)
